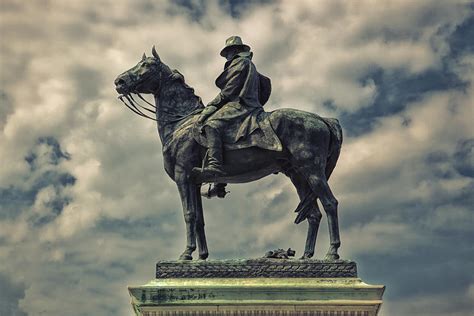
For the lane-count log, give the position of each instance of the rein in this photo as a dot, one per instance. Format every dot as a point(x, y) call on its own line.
point(132, 105)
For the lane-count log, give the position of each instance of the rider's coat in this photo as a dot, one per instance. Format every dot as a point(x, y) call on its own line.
point(244, 91)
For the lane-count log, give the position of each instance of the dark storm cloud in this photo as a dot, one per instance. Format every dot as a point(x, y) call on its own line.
point(53, 154)
point(432, 169)
point(13, 201)
point(397, 89)
point(460, 42)
point(435, 273)
point(440, 258)
point(42, 158)
point(197, 9)
point(237, 8)
point(464, 157)
point(12, 293)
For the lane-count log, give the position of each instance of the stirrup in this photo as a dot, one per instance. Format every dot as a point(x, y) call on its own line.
point(214, 190)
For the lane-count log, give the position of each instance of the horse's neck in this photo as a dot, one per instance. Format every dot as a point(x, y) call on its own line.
point(175, 103)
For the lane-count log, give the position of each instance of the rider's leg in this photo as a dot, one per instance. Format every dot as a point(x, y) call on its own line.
point(215, 153)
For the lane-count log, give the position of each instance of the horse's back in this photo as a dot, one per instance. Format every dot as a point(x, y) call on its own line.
point(307, 136)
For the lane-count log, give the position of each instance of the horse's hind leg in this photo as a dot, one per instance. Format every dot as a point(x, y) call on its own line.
point(314, 217)
point(319, 184)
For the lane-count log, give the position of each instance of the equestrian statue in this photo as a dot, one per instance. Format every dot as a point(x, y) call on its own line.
point(233, 140)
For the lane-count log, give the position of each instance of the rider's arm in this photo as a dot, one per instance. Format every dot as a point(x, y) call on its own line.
point(234, 82)
point(218, 101)
point(208, 111)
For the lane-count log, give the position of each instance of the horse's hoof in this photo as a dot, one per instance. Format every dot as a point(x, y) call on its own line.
point(331, 257)
point(203, 256)
point(306, 256)
point(185, 256)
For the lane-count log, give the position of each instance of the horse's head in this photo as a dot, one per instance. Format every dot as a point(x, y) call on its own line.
point(145, 77)
point(151, 75)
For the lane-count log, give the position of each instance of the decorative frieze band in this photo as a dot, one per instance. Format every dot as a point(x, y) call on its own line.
point(256, 268)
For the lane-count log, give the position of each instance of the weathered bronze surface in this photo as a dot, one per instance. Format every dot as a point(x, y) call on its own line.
point(308, 152)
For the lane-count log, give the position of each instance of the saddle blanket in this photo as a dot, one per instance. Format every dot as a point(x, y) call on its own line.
point(260, 133)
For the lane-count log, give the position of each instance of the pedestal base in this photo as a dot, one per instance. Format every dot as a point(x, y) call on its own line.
point(238, 295)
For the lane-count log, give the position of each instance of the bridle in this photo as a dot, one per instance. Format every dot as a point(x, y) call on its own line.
point(136, 107)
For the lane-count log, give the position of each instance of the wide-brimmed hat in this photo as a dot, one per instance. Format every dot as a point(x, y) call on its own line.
point(234, 41)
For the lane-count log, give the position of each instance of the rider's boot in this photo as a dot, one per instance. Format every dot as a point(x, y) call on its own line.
point(215, 159)
point(217, 189)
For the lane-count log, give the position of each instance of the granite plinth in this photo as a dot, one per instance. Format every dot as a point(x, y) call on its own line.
point(276, 287)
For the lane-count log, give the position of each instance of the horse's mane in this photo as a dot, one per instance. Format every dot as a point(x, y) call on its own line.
point(184, 100)
point(176, 75)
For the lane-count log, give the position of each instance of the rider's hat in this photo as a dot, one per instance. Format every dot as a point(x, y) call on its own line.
point(234, 41)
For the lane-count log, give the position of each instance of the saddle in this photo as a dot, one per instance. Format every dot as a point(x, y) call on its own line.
point(255, 131)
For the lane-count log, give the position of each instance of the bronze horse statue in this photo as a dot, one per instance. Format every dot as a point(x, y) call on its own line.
point(311, 147)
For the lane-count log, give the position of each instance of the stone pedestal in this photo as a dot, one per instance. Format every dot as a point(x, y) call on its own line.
point(257, 287)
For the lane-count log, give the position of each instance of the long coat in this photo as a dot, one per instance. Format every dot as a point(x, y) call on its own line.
point(244, 91)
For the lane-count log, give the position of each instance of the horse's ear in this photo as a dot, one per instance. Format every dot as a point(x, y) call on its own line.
point(144, 56)
point(155, 54)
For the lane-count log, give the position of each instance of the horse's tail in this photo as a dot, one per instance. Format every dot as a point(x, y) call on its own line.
point(334, 145)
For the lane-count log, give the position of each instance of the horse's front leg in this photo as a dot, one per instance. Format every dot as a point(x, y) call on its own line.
point(201, 235)
point(187, 192)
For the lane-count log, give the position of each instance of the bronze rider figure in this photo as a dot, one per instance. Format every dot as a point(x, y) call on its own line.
point(243, 92)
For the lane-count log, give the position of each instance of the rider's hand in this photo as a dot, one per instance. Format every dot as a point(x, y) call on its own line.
point(202, 118)
point(208, 111)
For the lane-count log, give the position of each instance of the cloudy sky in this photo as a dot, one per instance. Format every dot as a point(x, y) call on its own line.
point(86, 207)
